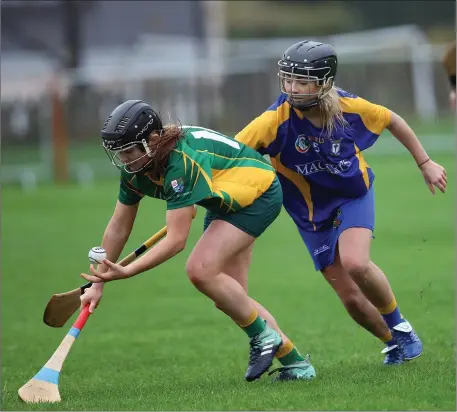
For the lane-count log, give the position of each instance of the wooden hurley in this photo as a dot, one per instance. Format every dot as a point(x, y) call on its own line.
point(44, 386)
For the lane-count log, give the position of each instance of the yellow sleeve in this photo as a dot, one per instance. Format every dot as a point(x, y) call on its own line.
point(263, 130)
point(374, 117)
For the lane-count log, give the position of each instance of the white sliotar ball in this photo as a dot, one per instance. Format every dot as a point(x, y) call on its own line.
point(97, 254)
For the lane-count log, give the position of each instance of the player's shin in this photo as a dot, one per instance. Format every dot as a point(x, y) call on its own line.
point(381, 295)
point(287, 352)
point(225, 292)
point(366, 315)
point(230, 297)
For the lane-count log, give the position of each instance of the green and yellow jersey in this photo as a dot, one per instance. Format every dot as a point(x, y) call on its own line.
point(205, 168)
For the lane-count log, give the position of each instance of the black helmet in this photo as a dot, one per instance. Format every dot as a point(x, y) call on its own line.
point(308, 61)
point(129, 126)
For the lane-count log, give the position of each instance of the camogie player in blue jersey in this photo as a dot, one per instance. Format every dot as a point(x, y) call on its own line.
point(314, 134)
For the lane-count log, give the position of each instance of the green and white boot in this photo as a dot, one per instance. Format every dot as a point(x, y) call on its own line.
point(298, 371)
point(263, 348)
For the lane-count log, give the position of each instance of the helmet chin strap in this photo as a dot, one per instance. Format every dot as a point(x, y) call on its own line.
point(305, 106)
point(144, 168)
point(325, 89)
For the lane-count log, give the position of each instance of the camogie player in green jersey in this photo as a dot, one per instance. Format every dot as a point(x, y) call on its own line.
point(188, 166)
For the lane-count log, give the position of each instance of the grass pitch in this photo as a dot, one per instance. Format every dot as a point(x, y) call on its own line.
point(155, 343)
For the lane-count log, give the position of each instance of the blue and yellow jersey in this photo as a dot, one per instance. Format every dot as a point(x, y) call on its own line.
point(318, 173)
point(205, 168)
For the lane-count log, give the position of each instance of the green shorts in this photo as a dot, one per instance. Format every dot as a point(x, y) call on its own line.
point(253, 219)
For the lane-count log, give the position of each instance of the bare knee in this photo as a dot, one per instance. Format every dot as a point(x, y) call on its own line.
point(345, 287)
point(356, 266)
point(198, 271)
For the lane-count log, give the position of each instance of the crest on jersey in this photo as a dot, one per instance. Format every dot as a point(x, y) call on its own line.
point(335, 148)
point(302, 144)
point(178, 185)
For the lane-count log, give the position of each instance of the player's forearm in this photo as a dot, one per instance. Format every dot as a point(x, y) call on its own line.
point(159, 254)
point(114, 239)
point(406, 136)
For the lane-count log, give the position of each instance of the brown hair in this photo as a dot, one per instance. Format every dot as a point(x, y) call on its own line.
point(162, 144)
point(331, 111)
point(449, 60)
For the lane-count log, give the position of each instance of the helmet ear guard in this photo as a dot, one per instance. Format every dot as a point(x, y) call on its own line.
point(146, 147)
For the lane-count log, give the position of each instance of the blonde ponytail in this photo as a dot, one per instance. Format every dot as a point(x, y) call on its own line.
point(331, 111)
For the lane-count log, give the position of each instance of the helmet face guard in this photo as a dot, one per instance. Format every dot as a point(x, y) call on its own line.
point(307, 77)
point(115, 155)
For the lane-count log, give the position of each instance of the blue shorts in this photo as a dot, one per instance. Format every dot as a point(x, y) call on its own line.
point(355, 213)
